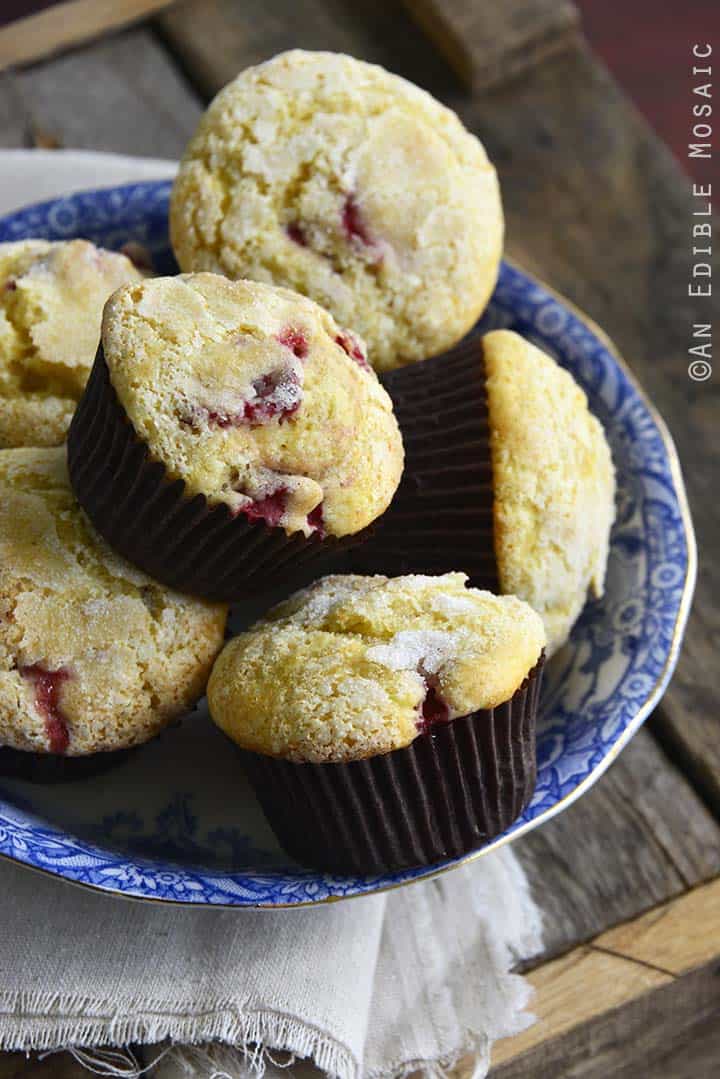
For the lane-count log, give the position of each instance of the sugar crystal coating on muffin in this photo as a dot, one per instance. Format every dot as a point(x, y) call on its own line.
point(94, 656)
point(51, 301)
point(351, 185)
point(355, 666)
point(254, 397)
point(554, 483)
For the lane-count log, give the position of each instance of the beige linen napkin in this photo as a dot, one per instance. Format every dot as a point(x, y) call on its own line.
point(371, 987)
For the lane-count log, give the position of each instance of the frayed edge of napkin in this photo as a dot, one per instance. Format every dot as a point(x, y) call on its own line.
point(226, 1061)
point(473, 1053)
point(224, 1044)
point(230, 1062)
point(47, 1022)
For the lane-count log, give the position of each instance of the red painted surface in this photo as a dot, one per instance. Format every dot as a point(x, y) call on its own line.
point(648, 47)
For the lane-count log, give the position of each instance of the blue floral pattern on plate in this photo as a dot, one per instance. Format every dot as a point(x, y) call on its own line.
point(176, 823)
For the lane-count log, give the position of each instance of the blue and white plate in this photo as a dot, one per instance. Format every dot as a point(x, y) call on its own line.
point(177, 823)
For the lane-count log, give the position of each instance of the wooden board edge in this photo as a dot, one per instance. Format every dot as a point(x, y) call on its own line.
point(54, 29)
point(434, 23)
point(675, 941)
point(679, 1020)
point(454, 28)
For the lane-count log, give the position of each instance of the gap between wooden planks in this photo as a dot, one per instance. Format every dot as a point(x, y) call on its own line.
point(620, 966)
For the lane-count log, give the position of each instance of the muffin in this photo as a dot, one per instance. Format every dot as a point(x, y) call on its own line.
point(94, 656)
point(507, 474)
point(230, 432)
point(335, 178)
point(385, 722)
point(51, 301)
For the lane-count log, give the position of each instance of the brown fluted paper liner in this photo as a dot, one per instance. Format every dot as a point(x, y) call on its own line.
point(183, 541)
point(448, 793)
point(441, 518)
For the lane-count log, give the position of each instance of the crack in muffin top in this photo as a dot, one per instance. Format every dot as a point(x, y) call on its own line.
point(351, 185)
point(255, 397)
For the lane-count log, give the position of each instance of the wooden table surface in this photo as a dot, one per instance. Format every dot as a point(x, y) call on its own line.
point(629, 876)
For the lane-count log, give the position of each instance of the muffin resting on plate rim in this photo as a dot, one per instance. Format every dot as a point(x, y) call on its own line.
point(94, 656)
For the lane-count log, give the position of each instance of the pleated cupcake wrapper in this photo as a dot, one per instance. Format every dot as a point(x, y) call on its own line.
point(55, 768)
point(442, 515)
point(181, 540)
point(448, 793)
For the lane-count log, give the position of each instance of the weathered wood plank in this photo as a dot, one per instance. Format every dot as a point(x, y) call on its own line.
point(56, 1066)
point(577, 988)
point(638, 837)
point(672, 1032)
point(59, 27)
point(676, 937)
point(489, 43)
point(121, 94)
point(216, 39)
point(627, 1000)
point(14, 127)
